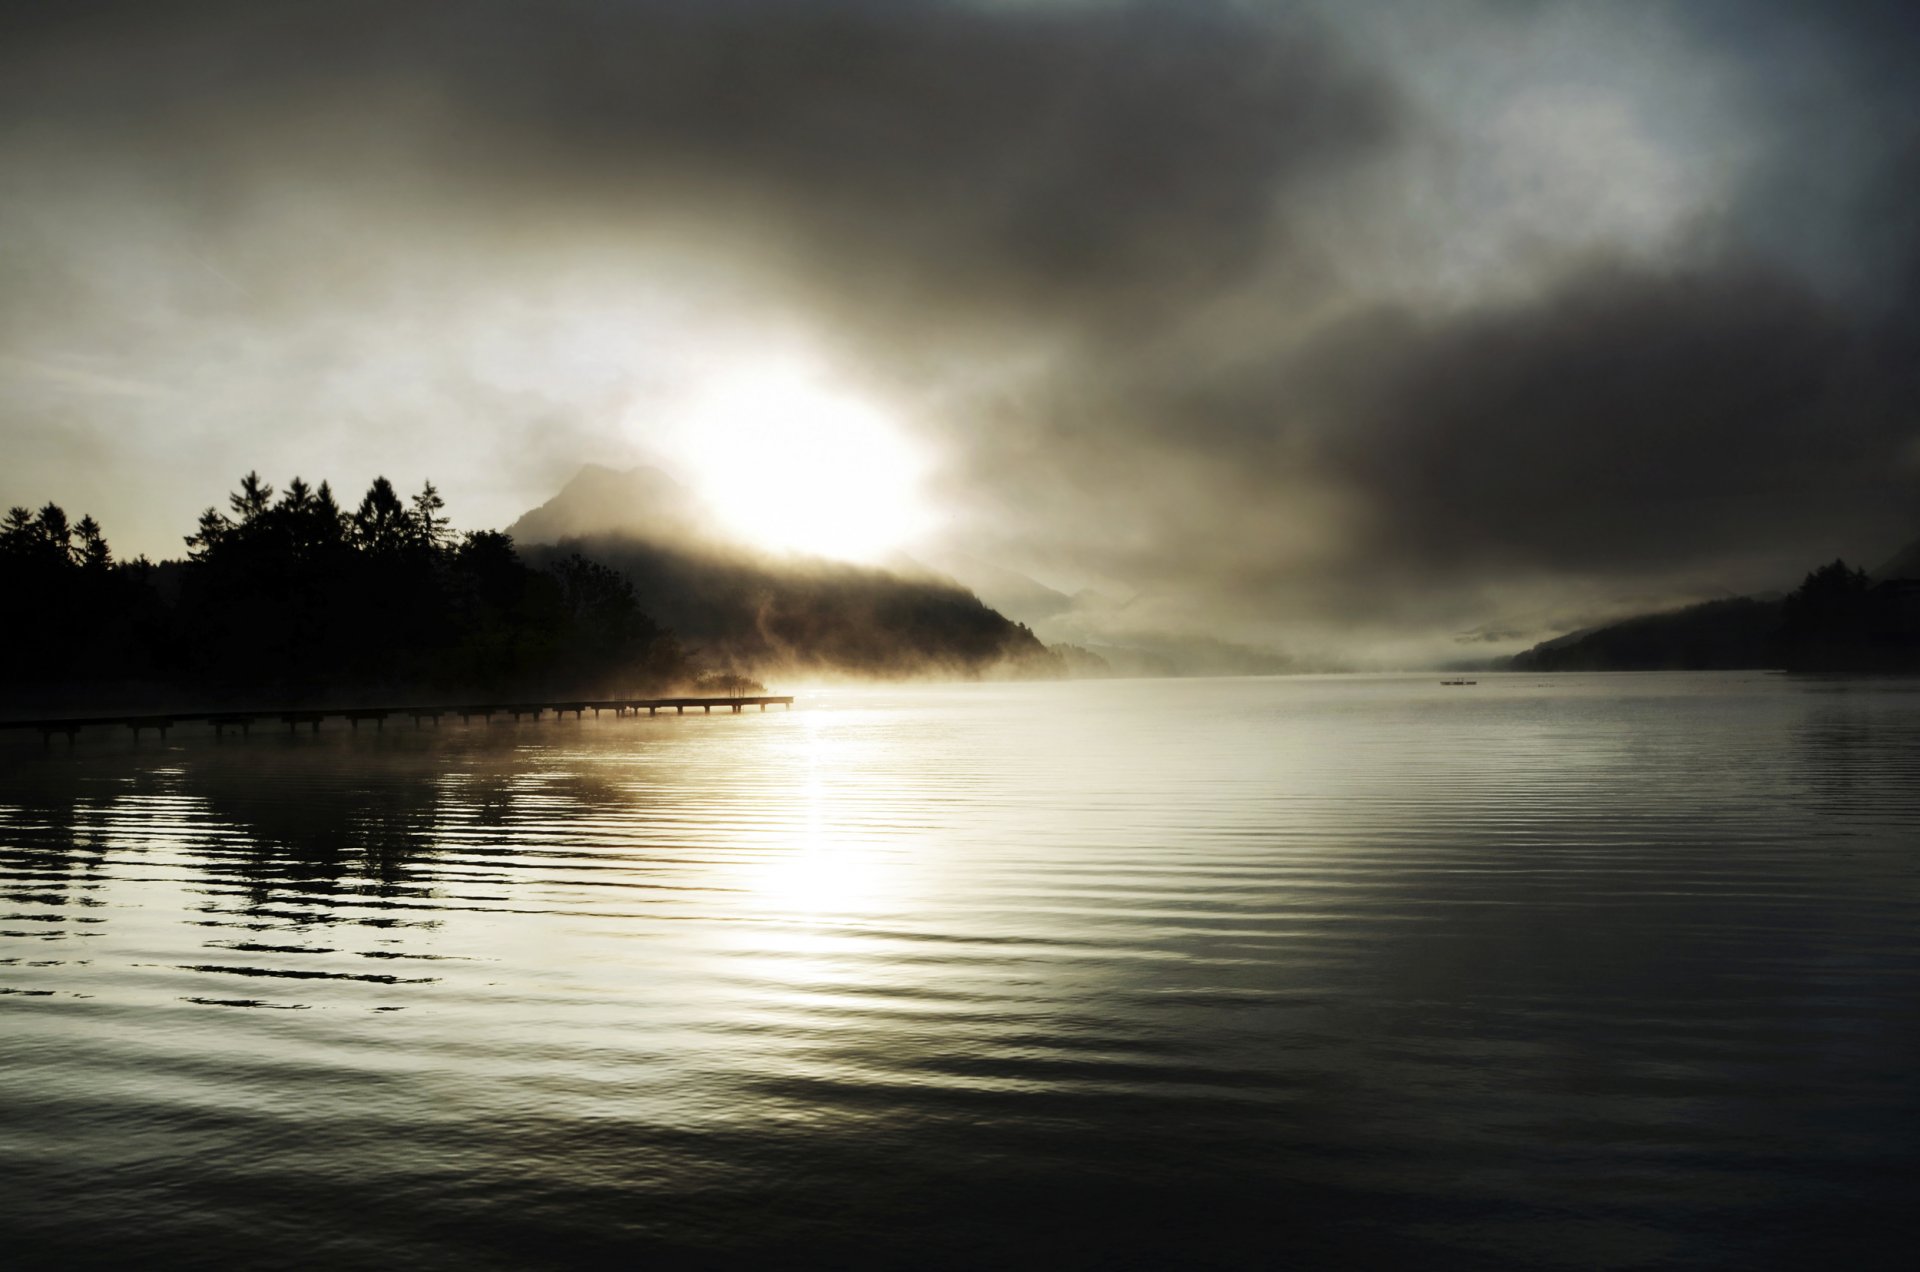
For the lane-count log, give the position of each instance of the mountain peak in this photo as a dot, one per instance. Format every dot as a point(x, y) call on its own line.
point(643, 502)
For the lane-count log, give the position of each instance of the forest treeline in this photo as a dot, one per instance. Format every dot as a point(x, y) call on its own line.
point(1838, 619)
point(289, 597)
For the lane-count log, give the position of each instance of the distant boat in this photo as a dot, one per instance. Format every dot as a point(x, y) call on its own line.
point(1459, 682)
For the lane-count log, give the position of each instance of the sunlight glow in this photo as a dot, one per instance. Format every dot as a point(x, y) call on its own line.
point(792, 462)
point(825, 871)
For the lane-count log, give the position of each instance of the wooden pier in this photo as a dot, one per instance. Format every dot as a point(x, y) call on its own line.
point(378, 716)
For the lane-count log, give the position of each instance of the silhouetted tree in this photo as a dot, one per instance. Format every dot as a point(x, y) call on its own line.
point(88, 618)
point(55, 533)
point(1829, 605)
point(213, 530)
point(1827, 622)
point(727, 683)
point(287, 599)
point(17, 533)
point(95, 556)
point(326, 524)
point(381, 523)
point(429, 527)
point(252, 499)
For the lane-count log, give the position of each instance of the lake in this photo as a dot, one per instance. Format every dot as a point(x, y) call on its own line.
point(1575, 971)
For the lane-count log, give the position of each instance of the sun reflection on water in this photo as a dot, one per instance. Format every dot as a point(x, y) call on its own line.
point(826, 874)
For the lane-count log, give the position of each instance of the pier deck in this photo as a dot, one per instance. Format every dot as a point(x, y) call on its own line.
point(293, 718)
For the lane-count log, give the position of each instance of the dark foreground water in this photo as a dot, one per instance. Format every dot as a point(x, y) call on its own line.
point(1609, 971)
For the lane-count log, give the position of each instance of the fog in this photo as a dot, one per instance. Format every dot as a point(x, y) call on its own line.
point(1327, 332)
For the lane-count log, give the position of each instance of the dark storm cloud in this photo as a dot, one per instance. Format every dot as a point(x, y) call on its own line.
point(1626, 416)
point(1656, 433)
point(1278, 315)
point(1093, 160)
point(1625, 426)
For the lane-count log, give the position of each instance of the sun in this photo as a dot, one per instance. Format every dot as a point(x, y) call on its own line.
point(789, 461)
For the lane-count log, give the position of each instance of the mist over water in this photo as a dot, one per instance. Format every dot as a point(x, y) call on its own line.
point(1589, 971)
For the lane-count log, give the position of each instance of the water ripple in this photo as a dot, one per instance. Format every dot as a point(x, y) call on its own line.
point(1568, 972)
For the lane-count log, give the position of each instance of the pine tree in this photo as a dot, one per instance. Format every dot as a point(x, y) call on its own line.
point(328, 523)
point(18, 536)
point(214, 529)
point(56, 536)
point(381, 523)
point(297, 498)
point(95, 556)
point(252, 499)
point(431, 528)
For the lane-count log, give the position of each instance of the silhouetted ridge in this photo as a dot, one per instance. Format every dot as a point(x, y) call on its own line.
point(743, 607)
point(287, 597)
point(1841, 620)
point(641, 502)
point(1838, 619)
point(1716, 635)
point(1904, 564)
point(816, 615)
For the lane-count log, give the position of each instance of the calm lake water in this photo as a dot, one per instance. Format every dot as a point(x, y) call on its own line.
point(1581, 971)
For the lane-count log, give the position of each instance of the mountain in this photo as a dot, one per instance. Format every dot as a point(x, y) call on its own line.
point(642, 503)
point(1024, 599)
point(751, 610)
point(1904, 564)
point(950, 613)
point(1716, 635)
point(1839, 619)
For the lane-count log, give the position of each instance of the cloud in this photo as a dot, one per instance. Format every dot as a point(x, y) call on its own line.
point(1310, 323)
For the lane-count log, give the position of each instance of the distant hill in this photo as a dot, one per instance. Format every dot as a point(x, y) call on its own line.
point(1904, 564)
point(1122, 642)
point(1717, 635)
point(1872, 623)
point(771, 613)
point(1014, 594)
point(813, 615)
point(642, 503)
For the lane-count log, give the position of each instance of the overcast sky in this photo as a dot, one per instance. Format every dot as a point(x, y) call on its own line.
point(1317, 325)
